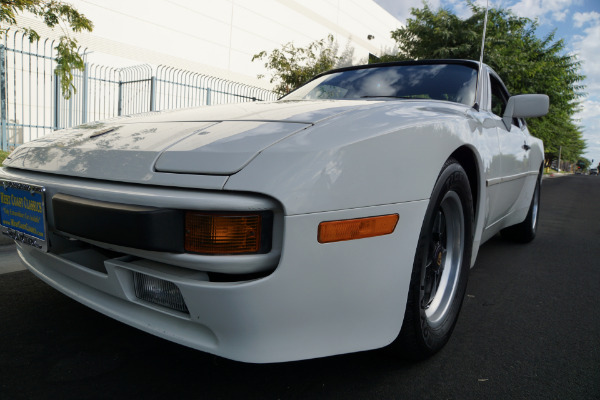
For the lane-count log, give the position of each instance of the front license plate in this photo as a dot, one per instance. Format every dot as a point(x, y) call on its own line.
point(22, 213)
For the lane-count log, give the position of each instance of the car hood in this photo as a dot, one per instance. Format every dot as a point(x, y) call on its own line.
point(216, 140)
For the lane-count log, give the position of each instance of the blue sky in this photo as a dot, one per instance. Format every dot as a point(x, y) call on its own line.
point(575, 21)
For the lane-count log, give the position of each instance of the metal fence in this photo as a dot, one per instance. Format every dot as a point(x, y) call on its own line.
point(26, 88)
point(32, 105)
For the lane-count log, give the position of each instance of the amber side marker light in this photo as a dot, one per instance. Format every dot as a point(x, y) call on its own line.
point(350, 229)
point(221, 234)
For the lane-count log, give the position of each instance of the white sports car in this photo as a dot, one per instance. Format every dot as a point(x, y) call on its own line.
point(343, 217)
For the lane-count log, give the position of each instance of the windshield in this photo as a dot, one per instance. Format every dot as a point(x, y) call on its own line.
point(450, 82)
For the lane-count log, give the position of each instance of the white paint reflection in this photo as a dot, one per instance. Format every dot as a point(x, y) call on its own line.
point(384, 83)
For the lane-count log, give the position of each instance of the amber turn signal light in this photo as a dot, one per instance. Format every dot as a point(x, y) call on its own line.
point(350, 229)
point(221, 234)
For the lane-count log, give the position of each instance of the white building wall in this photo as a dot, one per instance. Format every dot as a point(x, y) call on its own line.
point(219, 37)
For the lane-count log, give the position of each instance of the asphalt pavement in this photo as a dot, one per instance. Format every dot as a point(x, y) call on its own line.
point(9, 260)
point(529, 329)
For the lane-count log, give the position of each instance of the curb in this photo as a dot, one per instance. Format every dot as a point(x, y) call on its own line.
point(557, 175)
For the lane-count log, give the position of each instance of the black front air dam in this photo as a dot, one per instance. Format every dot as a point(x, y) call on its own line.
point(146, 228)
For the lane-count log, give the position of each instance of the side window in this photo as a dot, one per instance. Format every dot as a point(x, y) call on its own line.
point(499, 99)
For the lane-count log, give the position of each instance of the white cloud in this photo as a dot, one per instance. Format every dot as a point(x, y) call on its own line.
point(460, 8)
point(581, 19)
point(587, 46)
point(559, 15)
point(590, 121)
point(590, 109)
point(401, 9)
point(544, 10)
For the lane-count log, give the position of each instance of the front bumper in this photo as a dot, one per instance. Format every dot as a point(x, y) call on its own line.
point(315, 300)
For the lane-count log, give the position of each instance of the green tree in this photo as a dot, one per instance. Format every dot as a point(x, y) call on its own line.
point(3, 155)
point(53, 13)
point(292, 66)
point(583, 164)
point(529, 64)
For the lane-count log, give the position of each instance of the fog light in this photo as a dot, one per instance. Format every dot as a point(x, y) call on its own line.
point(159, 291)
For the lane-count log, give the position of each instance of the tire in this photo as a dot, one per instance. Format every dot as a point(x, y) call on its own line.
point(526, 230)
point(441, 266)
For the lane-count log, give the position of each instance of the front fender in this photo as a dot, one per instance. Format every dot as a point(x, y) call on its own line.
point(349, 164)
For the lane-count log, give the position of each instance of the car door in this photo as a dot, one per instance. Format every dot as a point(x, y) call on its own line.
point(514, 156)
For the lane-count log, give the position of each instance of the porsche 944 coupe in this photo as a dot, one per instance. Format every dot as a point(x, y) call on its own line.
point(343, 217)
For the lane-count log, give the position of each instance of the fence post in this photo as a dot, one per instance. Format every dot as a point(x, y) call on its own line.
point(69, 122)
point(153, 93)
point(120, 106)
point(3, 97)
point(208, 96)
point(84, 94)
point(56, 102)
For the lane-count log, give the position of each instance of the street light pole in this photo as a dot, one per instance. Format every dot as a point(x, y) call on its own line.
point(559, 154)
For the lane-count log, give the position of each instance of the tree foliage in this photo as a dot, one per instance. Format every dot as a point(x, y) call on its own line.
point(583, 163)
point(527, 63)
point(3, 155)
point(292, 66)
point(53, 13)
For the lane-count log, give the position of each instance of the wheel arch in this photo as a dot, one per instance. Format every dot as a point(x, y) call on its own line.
point(470, 161)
